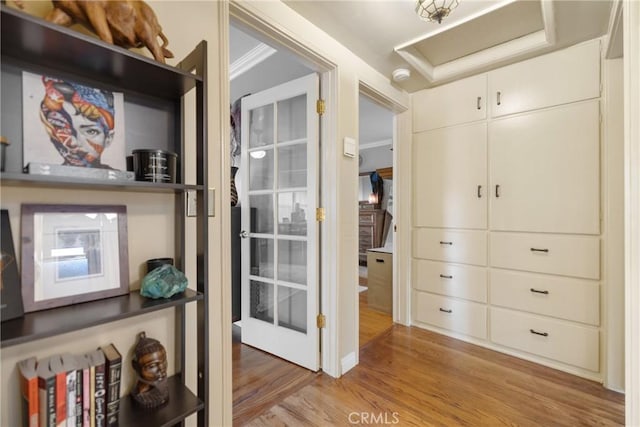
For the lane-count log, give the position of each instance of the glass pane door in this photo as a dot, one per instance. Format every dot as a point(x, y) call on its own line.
point(279, 140)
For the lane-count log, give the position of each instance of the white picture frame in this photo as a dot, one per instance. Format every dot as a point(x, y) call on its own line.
point(73, 254)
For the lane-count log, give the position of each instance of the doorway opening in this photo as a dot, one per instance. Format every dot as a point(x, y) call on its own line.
point(275, 180)
point(375, 217)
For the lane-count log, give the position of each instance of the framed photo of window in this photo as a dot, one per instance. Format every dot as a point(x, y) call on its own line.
point(73, 254)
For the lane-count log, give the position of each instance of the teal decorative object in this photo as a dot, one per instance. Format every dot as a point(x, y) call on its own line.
point(163, 282)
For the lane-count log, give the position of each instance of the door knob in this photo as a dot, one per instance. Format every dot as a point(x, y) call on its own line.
point(244, 234)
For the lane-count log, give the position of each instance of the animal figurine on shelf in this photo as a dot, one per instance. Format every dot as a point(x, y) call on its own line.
point(126, 23)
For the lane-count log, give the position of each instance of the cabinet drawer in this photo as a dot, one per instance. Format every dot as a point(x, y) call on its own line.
point(367, 218)
point(577, 256)
point(459, 102)
point(459, 316)
point(561, 77)
point(380, 265)
point(463, 246)
point(563, 297)
point(567, 343)
point(462, 281)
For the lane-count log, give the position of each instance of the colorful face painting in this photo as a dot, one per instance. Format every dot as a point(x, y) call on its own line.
point(79, 121)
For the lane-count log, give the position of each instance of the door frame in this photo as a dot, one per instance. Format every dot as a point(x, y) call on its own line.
point(401, 265)
point(328, 268)
point(631, 65)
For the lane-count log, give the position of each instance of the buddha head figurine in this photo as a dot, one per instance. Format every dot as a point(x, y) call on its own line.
point(150, 364)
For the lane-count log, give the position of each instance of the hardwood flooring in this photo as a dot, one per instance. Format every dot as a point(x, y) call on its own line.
point(413, 377)
point(261, 380)
point(373, 323)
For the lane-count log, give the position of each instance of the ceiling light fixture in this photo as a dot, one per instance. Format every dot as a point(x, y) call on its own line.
point(435, 10)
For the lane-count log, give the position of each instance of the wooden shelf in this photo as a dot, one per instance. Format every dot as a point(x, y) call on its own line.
point(46, 323)
point(182, 403)
point(29, 39)
point(27, 180)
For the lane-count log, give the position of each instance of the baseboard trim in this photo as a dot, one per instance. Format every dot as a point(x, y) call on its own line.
point(348, 362)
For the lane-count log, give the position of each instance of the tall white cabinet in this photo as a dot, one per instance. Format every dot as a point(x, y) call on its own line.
point(506, 210)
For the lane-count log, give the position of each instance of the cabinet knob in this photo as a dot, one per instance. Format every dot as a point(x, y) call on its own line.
point(497, 190)
point(444, 276)
point(244, 234)
point(478, 103)
point(379, 260)
point(479, 191)
point(445, 311)
point(446, 243)
point(498, 97)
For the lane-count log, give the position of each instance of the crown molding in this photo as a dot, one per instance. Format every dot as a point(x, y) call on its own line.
point(250, 60)
point(503, 53)
point(376, 144)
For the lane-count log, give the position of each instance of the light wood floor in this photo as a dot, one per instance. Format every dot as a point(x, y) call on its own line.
point(373, 323)
point(421, 378)
point(418, 378)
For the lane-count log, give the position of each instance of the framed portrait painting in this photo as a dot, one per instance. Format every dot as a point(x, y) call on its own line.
point(73, 254)
point(67, 123)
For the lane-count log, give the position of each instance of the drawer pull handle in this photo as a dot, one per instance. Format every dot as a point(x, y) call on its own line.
point(446, 277)
point(479, 191)
point(539, 292)
point(539, 250)
point(498, 97)
point(446, 243)
point(379, 260)
point(533, 331)
point(445, 311)
point(497, 191)
point(478, 102)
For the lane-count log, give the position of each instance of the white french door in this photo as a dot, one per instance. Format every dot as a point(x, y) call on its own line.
point(279, 167)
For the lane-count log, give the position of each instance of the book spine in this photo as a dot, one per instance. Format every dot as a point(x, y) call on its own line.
point(78, 403)
point(92, 400)
point(47, 398)
point(30, 401)
point(113, 394)
point(72, 378)
point(61, 399)
point(100, 395)
point(86, 398)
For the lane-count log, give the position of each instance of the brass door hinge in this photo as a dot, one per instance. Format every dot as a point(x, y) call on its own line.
point(321, 321)
point(320, 106)
point(320, 214)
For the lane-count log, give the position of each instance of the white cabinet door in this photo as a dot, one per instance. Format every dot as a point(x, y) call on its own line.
point(450, 177)
point(544, 170)
point(459, 102)
point(561, 77)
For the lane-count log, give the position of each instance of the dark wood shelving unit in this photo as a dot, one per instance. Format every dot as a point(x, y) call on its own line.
point(27, 180)
point(29, 39)
point(46, 323)
point(182, 403)
point(30, 43)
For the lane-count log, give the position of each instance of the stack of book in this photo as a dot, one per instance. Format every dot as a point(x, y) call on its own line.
point(71, 390)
